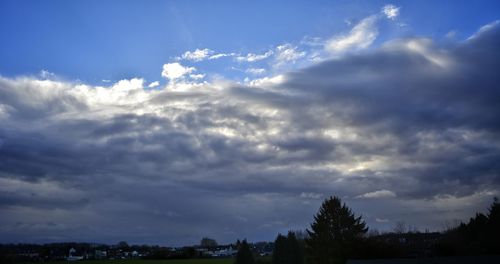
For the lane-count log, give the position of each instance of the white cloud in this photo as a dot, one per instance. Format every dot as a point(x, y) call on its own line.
point(312, 41)
point(267, 81)
point(123, 92)
point(217, 56)
point(423, 47)
point(451, 34)
point(390, 11)
point(197, 55)
point(485, 28)
point(250, 57)
point(311, 195)
point(4, 113)
point(44, 74)
point(197, 76)
point(452, 201)
point(175, 70)
point(187, 86)
point(221, 55)
point(378, 194)
point(381, 220)
point(43, 190)
point(255, 71)
point(154, 84)
point(288, 53)
point(360, 37)
point(129, 85)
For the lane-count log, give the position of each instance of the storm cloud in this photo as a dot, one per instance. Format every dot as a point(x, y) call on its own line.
point(405, 132)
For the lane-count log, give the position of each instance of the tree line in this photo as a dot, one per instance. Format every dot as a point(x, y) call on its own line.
point(337, 235)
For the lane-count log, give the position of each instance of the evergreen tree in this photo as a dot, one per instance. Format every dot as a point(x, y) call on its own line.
point(280, 248)
point(244, 255)
point(287, 250)
point(334, 233)
point(479, 236)
point(294, 251)
point(493, 228)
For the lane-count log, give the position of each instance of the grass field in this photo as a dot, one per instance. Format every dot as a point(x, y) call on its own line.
point(261, 260)
point(143, 261)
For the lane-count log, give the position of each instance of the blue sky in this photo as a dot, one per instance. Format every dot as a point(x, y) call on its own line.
point(163, 122)
point(113, 40)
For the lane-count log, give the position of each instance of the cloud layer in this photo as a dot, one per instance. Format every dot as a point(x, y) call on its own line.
point(226, 160)
point(360, 37)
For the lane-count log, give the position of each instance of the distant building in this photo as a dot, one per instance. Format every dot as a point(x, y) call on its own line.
point(101, 254)
point(72, 255)
point(227, 252)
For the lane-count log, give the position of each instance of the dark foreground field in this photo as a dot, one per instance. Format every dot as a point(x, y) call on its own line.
point(147, 261)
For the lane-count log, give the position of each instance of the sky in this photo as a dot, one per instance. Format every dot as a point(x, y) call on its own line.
point(162, 122)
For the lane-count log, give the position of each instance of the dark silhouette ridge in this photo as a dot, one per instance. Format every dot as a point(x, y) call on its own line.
point(336, 236)
point(244, 255)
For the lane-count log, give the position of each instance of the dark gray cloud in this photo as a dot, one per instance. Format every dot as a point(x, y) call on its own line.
point(412, 119)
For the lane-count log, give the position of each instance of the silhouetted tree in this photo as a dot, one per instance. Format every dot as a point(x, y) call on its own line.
point(294, 249)
point(123, 245)
point(400, 227)
point(493, 233)
point(244, 255)
point(477, 237)
point(280, 248)
point(189, 252)
point(288, 250)
point(334, 233)
point(301, 237)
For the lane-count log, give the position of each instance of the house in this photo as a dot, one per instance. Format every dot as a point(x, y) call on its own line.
point(72, 255)
point(101, 254)
point(226, 252)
